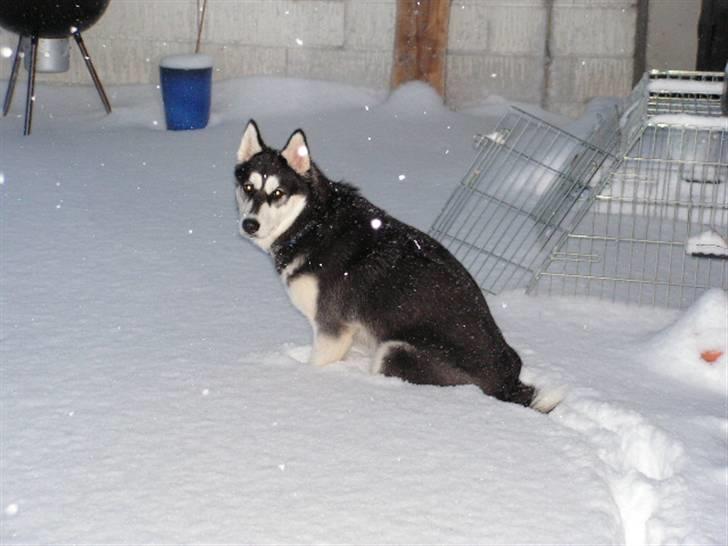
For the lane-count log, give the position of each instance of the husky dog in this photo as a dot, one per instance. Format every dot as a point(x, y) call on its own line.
point(358, 274)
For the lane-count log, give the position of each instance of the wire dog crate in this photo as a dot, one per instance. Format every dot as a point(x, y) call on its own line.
point(655, 233)
point(635, 212)
point(524, 188)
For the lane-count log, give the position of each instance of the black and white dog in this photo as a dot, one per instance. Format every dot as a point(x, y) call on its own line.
point(360, 275)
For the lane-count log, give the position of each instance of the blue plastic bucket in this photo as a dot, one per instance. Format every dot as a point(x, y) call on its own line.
point(186, 82)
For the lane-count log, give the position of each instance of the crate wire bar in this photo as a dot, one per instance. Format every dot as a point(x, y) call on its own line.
point(523, 189)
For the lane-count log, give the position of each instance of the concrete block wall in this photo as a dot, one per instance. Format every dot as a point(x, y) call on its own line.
point(592, 52)
point(496, 47)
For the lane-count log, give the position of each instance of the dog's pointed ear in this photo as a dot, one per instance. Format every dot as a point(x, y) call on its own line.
point(296, 153)
point(251, 143)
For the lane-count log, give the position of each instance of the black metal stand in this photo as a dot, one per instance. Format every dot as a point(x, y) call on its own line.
point(13, 78)
point(30, 96)
point(92, 71)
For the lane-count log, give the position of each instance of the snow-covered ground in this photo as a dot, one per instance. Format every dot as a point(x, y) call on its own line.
point(152, 385)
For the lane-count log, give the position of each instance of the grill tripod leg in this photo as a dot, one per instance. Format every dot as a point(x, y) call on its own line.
point(13, 78)
point(92, 71)
point(30, 96)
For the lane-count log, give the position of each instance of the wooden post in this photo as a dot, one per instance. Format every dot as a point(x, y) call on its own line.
point(420, 43)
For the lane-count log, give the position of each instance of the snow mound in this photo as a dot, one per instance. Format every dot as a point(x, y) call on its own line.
point(684, 349)
point(414, 99)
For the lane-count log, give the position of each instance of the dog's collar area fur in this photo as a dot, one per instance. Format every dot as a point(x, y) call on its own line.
point(284, 250)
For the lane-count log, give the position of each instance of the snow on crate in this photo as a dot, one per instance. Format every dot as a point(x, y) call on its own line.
point(685, 86)
point(708, 243)
point(693, 348)
point(691, 120)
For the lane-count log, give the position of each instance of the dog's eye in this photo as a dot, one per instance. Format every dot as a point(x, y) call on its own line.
point(248, 188)
point(277, 194)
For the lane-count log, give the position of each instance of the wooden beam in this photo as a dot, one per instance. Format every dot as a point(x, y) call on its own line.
point(420, 44)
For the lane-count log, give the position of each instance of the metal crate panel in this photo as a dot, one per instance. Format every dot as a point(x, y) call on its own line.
point(636, 241)
point(524, 190)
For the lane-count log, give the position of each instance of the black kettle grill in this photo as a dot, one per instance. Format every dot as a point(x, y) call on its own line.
point(35, 19)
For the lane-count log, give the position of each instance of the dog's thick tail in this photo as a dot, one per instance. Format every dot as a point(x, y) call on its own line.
point(538, 399)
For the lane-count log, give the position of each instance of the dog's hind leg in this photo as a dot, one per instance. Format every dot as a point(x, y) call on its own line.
point(328, 348)
point(420, 365)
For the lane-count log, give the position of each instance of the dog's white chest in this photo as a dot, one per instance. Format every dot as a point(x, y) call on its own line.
point(303, 291)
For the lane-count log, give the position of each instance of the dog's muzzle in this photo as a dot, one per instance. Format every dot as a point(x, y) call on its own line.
point(250, 226)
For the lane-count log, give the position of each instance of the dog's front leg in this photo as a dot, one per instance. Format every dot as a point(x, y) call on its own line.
point(328, 348)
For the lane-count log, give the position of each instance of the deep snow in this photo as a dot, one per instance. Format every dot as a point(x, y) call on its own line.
point(152, 385)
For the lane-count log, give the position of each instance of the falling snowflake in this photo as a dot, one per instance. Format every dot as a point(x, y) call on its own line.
point(376, 223)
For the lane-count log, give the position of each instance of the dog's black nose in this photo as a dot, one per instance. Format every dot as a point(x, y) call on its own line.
point(250, 226)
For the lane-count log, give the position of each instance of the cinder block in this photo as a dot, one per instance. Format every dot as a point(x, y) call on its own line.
point(468, 30)
point(602, 77)
point(578, 80)
point(276, 23)
point(570, 109)
point(587, 30)
point(519, 30)
point(236, 61)
point(466, 4)
point(171, 20)
point(497, 27)
point(471, 78)
point(370, 24)
point(366, 68)
point(589, 4)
